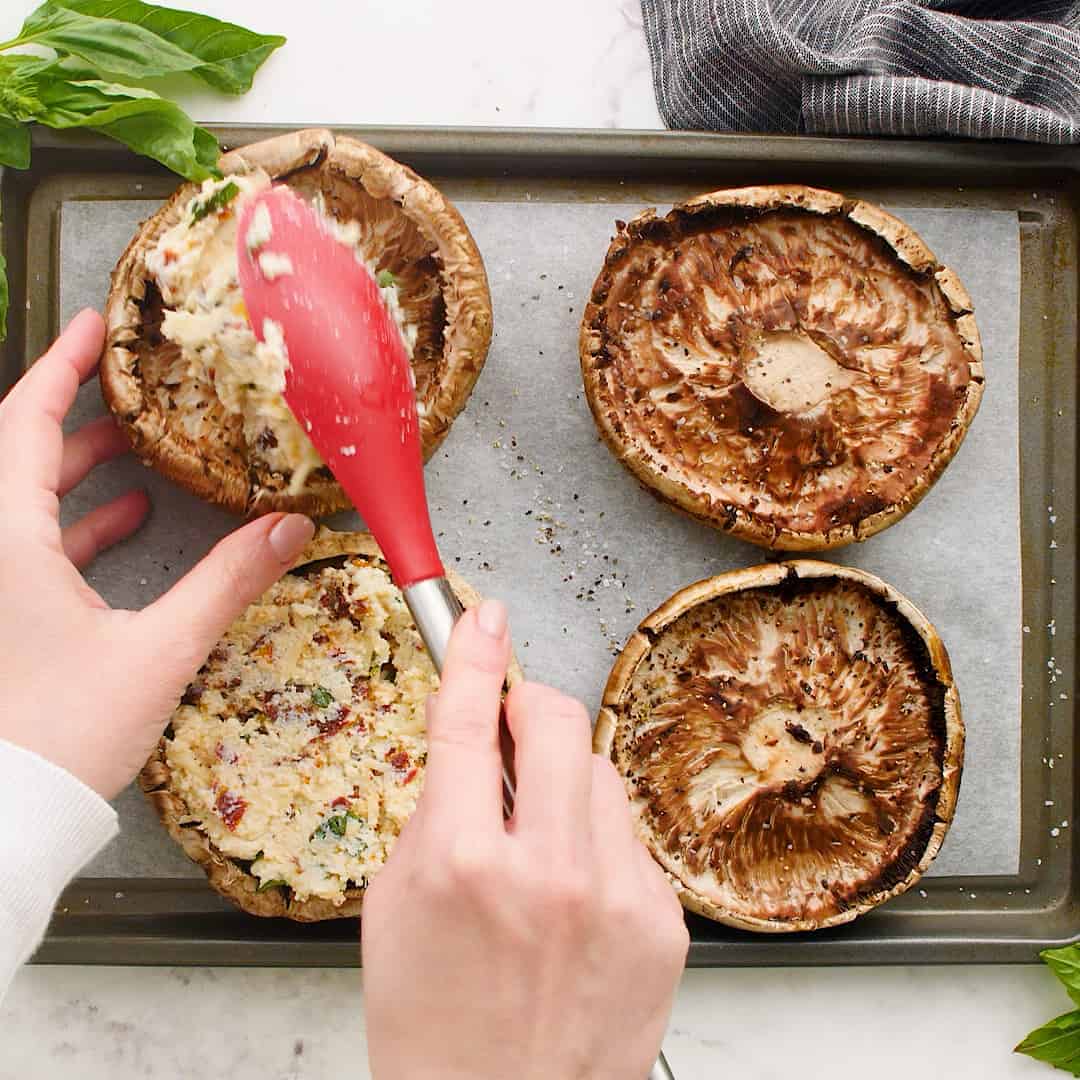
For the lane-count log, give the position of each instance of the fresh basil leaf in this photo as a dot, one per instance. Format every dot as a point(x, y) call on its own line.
point(322, 697)
point(274, 884)
point(1065, 964)
point(207, 149)
point(162, 131)
point(139, 118)
point(17, 97)
point(337, 824)
point(14, 143)
point(222, 197)
point(385, 278)
point(140, 41)
point(1057, 1043)
point(3, 298)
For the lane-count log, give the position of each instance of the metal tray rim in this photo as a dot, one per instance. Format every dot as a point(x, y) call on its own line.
point(499, 152)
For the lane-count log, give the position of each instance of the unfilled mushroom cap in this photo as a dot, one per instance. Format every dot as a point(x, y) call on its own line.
point(409, 228)
point(780, 362)
point(791, 742)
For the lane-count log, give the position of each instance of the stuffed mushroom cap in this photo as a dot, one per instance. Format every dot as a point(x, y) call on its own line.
point(172, 403)
point(298, 752)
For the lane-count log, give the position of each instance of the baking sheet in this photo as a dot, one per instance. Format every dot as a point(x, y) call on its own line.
point(530, 505)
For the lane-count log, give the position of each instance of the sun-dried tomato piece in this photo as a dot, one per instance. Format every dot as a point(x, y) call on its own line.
point(332, 720)
point(231, 808)
point(335, 601)
point(399, 759)
point(193, 694)
point(226, 754)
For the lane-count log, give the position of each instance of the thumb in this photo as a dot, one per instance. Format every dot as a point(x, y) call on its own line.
point(192, 616)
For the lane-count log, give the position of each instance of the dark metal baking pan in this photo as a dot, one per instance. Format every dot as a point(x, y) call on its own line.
point(169, 920)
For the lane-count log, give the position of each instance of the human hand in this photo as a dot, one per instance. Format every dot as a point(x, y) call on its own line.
point(85, 686)
point(546, 946)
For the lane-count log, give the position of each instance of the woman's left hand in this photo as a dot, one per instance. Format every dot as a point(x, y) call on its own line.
point(85, 686)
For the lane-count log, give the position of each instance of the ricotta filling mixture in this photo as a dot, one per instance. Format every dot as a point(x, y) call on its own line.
point(194, 265)
point(301, 745)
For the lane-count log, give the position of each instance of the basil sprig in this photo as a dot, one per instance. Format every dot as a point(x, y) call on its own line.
point(273, 884)
point(1058, 1042)
point(138, 41)
point(105, 53)
point(220, 198)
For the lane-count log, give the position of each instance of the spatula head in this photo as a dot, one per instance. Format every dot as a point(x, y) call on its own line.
point(348, 379)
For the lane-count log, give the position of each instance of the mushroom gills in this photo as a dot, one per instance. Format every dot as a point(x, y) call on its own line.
point(785, 748)
point(767, 362)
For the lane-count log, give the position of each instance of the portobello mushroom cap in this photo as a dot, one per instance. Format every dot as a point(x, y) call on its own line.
point(782, 363)
point(250, 708)
point(791, 743)
point(180, 427)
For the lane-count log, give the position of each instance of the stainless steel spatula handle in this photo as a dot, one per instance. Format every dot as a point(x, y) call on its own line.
point(661, 1070)
point(435, 609)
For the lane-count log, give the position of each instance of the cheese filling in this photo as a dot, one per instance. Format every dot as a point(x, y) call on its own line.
point(194, 265)
point(301, 745)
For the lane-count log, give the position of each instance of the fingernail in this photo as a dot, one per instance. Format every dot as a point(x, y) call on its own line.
point(491, 618)
point(290, 534)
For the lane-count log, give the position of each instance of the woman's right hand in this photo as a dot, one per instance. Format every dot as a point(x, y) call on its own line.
point(546, 946)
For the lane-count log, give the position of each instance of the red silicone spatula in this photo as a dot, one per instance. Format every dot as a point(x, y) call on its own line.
point(350, 384)
point(349, 381)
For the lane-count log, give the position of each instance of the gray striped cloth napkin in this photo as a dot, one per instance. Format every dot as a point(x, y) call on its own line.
point(990, 69)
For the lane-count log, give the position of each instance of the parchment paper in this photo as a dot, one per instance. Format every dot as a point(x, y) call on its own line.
point(530, 506)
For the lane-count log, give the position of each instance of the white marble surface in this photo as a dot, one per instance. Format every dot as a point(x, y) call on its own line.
point(567, 63)
point(198, 1023)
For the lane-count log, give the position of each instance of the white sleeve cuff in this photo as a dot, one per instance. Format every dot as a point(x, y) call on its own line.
point(51, 825)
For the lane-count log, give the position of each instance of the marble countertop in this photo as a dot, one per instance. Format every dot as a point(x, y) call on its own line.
point(577, 63)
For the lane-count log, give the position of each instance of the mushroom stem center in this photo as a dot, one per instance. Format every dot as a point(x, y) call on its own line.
point(790, 373)
point(785, 745)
